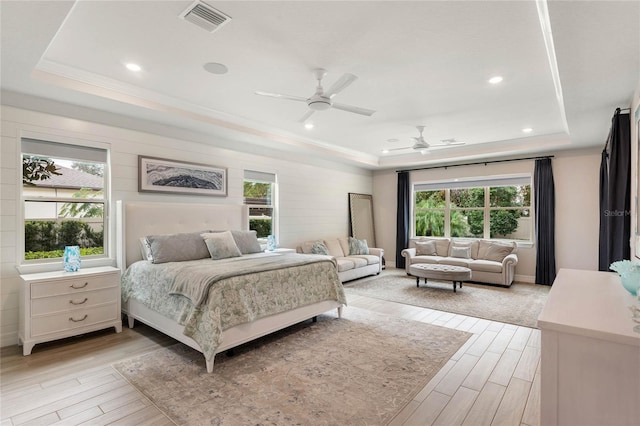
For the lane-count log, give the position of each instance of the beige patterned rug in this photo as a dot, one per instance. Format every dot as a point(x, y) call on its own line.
point(358, 370)
point(519, 304)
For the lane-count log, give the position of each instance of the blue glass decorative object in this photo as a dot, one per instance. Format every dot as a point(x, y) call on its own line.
point(271, 243)
point(71, 259)
point(629, 275)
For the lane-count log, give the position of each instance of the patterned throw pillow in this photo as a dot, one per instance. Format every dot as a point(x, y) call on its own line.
point(358, 246)
point(221, 245)
point(319, 248)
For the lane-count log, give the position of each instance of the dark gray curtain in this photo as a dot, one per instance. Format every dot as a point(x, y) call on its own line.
point(545, 208)
point(402, 218)
point(615, 194)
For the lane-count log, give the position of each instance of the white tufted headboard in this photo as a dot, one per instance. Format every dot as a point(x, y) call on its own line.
point(139, 219)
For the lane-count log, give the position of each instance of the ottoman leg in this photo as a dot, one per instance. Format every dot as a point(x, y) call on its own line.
point(454, 287)
point(417, 281)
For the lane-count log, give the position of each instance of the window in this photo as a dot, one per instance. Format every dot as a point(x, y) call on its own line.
point(488, 208)
point(64, 197)
point(259, 195)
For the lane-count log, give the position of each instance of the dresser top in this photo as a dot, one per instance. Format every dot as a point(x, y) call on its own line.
point(592, 304)
point(68, 275)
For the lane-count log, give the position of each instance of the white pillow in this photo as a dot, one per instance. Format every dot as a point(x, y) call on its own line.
point(426, 248)
point(461, 252)
point(221, 245)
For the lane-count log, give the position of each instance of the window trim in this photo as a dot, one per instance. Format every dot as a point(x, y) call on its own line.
point(250, 175)
point(45, 265)
point(476, 182)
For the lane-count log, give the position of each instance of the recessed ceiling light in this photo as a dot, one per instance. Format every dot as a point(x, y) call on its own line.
point(495, 80)
point(308, 125)
point(527, 130)
point(385, 151)
point(216, 68)
point(133, 67)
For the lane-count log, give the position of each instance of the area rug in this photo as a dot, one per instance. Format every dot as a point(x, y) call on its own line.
point(519, 304)
point(361, 369)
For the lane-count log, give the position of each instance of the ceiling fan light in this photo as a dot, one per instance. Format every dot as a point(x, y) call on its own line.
point(319, 105)
point(424, 151)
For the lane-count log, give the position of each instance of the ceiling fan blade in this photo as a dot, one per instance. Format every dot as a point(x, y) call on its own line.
point(340, 85)
point(355, 109)
point(278, 95)
point(306, 116)
point(444, 145)
point(399, 149)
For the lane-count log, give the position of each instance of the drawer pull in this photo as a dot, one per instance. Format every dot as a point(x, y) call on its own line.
point(82, 286)
point(81, 319)
point(78, 303)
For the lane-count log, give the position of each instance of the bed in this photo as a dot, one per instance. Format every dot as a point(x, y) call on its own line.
point(197, 322)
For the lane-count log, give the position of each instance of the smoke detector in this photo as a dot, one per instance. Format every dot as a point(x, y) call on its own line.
point(205, 16)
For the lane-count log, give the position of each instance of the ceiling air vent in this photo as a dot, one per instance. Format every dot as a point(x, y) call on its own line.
point(205, 16)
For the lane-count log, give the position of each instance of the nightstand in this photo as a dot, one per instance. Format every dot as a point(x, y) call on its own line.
point(61, 304)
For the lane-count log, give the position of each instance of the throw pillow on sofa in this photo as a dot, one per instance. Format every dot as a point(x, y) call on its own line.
point(494, 251)
point(319, 248)
point(426, 248)
point(461, 252)
point(358, 247)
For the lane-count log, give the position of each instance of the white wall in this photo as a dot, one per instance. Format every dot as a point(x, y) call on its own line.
point(576, 184)
point(313, 198)
point(635, 175)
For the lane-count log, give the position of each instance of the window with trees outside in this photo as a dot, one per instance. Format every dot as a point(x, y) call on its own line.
point(64, 197)
point(496, 208)
point(259, 195)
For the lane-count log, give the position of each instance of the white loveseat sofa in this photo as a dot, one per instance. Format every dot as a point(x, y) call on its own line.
point(490, 261)
point(350, 266)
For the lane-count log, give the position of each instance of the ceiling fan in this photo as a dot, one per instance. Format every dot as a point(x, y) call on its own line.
point(423, 146)
point(322, 100)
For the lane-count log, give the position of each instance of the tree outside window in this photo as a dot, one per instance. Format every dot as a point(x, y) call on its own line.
point(501, 211)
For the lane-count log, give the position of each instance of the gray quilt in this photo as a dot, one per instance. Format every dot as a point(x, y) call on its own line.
point(231, 299)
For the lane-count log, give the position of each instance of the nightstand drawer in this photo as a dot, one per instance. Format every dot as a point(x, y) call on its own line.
point(85, 299)
point(73, 319)
point(73, 285)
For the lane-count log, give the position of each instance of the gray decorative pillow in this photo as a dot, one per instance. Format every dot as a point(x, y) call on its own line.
point(461, 252)
point(319, 248)
point(426, 248)
point(247, 241)
point(176, 247)
point(494, 251)
point(358, 246)
point(221, 245)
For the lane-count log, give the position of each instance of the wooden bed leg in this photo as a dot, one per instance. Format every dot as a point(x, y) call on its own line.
point(209, 365)
point(131, 321)
point(339, 311)
point(314, 319)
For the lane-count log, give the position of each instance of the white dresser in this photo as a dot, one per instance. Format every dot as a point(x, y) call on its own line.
point(590, 360)
point(60, 304)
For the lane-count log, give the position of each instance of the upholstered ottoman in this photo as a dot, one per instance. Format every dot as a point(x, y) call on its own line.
point(440, 272)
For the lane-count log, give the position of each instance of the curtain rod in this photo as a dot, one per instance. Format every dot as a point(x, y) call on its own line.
point(475, 164)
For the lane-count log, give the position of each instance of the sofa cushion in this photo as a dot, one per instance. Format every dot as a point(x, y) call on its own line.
point(491, 250)
point(442, 245)
point(357, 246)
point(426, 259)
point(319, 248)
point(454, 261)
point(426, 248)
point(485, 266)
point(344, 264)
point(371, 259)
point(358, 261)
point(335, 248)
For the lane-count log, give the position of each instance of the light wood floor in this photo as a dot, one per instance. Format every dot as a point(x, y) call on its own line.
point(494, 379)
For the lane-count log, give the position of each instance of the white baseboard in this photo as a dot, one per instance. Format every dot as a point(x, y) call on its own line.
point(9, 339)
point(524, 279)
